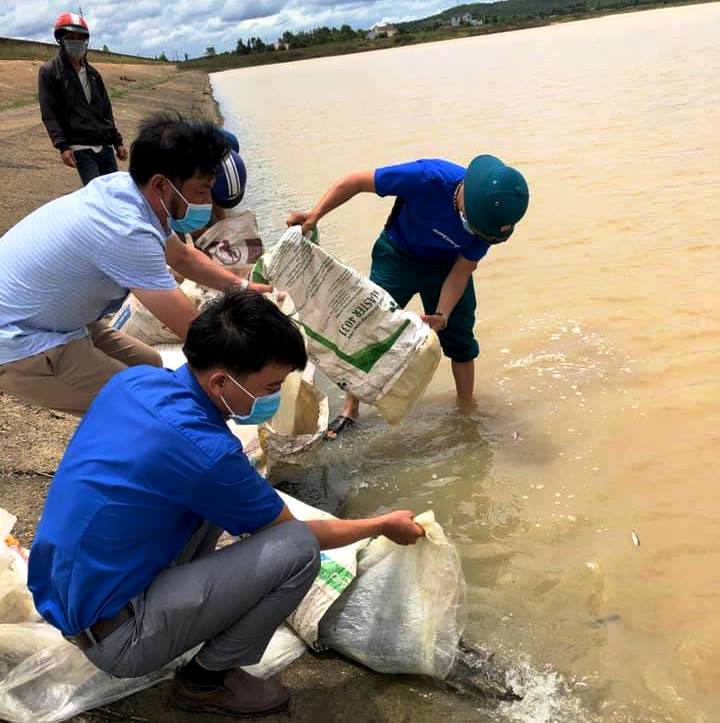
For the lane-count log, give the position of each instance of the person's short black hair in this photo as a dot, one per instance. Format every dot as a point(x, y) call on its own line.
point(176, 147)
point(243, 332)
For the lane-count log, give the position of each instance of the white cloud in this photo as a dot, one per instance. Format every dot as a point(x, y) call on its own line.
point(149, 27)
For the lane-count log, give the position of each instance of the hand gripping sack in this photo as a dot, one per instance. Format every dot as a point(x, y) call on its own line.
point(356, 333)
point(404, 612)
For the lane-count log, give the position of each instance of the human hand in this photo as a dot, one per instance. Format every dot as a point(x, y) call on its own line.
point(122, 153)
point(68, 158)
point(306, 220)
point(399, 527)
point(266, 289)
point(437, 322)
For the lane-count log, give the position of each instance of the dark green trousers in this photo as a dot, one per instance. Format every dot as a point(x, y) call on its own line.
point(403, 276)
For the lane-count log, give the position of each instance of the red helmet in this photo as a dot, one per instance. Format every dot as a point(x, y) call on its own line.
point(70, 23)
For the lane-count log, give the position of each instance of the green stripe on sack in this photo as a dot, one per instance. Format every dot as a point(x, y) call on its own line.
point(256, 275)
point(363, 359)
point(334, 575)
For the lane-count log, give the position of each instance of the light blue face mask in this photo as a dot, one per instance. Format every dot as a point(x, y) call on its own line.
point(263, 408)
point(196, 216)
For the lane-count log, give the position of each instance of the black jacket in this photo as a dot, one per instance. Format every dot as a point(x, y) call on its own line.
point(70, 120)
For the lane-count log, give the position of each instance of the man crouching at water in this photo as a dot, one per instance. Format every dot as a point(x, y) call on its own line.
point(124, 560)
point(73, 261)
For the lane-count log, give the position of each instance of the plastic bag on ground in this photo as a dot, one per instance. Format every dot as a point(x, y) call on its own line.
point(44, 679)
point(16, 604)
point(234, 243)
point(285, 647)
point(356, 333)
point(404, 613)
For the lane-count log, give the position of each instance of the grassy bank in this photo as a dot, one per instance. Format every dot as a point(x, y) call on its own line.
point(415, 32)
point(13, 49)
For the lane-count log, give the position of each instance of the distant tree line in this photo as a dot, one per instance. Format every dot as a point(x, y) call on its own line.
point(302, 39)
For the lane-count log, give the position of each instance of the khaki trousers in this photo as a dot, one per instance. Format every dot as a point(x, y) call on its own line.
point(68, 377)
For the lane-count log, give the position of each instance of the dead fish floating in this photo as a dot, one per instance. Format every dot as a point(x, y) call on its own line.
point(606, 620)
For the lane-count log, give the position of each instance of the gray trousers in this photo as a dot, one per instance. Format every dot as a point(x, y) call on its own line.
point(232, 600)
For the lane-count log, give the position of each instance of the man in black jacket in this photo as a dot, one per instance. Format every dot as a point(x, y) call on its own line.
point(75, 106)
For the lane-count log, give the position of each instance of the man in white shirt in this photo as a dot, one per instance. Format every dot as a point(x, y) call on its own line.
point(73, 261)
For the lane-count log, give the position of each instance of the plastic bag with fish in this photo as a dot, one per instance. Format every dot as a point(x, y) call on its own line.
point(405, 611)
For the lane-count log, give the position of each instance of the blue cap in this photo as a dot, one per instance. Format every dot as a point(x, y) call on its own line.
point(496, 196)
point(230, 180)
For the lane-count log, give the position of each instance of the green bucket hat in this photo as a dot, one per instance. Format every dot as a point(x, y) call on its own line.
point(496, 197)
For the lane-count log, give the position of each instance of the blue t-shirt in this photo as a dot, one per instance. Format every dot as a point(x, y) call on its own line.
point(150, 460)
point(428, 226)
point(73, 260)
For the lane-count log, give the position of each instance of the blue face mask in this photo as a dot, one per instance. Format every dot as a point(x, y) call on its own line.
point(196, 216)
point(263, 408)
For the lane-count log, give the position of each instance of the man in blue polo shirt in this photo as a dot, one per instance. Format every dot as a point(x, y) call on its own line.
point(123, 562)
point(444, 220)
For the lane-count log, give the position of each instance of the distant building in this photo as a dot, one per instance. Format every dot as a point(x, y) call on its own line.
point(381, 30)
point(465, 19)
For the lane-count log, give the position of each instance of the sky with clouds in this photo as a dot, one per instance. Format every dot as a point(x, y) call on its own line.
point(149, 27)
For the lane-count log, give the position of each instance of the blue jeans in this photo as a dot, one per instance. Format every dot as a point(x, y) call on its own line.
point(91, 165)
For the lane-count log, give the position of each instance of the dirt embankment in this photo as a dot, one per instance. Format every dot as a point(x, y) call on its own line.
point(32, 440)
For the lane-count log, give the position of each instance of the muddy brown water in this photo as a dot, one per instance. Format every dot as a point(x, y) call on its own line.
point(598, 393)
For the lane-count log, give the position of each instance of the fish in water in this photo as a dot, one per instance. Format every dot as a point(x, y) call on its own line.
point(476, 674)
point(635, 538)
point(606, 620)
